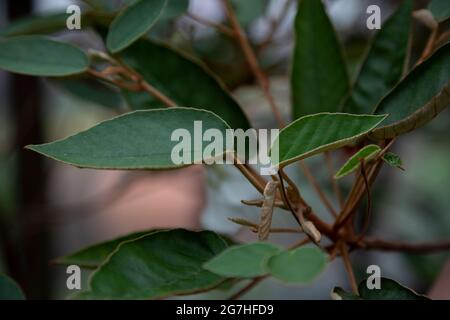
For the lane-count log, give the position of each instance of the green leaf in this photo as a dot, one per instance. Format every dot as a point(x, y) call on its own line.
point(384, 64)
point(133, 22)
point(390, 290)
point(183, 80)
point(93, 256)
point(158, 265)
point(319, 75)
point(352, 164)
point(317, 133)
point(136, 140)
point(421, 96)
point(243, 261)
point(249, 10)
point(92, 90)
point(440, 9)
point(393, 160)
point(9, 289)
point(39, 56)
point(300, 265)
point(37, 24)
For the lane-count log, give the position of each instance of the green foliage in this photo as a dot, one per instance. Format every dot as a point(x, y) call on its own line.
point(319, 74)
point(157, 265)
point(9, 289)
point(299, 265)
point(184, 80)
point(92, 90)
point(317, 133)
point(354, 163)
point(385, 63)
point(420, 97)
point(243, 261)
point(385, 101)
point(133, 22)
point(93, 256)
point(393, 160)
point(37, 24)
point(39, 56)
point(136, 140)
point(390, 290)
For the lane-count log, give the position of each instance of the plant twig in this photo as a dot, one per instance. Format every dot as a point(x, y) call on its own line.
point(384, 245)
point(276, 24)
point(247, 288)
point(312, 180)
point(429, 47)
point(348, 267)
point(252, 60)
point(366, 222)
point(219, 27)
point(334, 183)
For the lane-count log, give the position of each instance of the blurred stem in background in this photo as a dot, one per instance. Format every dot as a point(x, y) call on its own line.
point(26, 253)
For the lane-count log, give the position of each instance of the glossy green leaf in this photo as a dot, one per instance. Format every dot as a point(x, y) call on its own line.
point(440, 9)
point(319, 75)
point(299, 265)
point(136, 140)
point(384, 64)
point(37, 24)
point(183, 80)
point(158, 265)
point(249, 10)
point(393, 160)
point(352, 164)
point(390, 290)
point(94, 91)
point(133, 22)
point(9, 289)
point(93, 256)
point(420, 97)
point(317, 133)
point(243, 261)
point(39, 56)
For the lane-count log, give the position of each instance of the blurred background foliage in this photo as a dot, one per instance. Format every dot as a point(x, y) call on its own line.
point(48, 209)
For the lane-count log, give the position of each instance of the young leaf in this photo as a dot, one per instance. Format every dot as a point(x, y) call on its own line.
point(94, 91)
point(353, 163)
point(186, 82)
point(317, 133)
point(390, 290)
point(133, 22)
point(393, 160)
point(38, 24)
point(136, 140)
point(319, 75)
point(384, 64)
point(243, 261)
point(93, 256)
point(421, 96)
point(440, 9)
point(158, 265)
point(300, 265)
point(39, 56)
point(9, 289)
